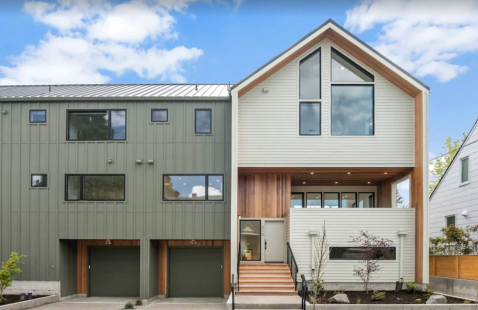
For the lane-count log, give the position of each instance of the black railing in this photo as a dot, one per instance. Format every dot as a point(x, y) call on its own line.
point(233, 291)
point(294, 270)
point(238, 263)
point(305, 291)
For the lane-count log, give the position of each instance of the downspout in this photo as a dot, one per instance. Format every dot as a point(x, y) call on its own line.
point(399, 284)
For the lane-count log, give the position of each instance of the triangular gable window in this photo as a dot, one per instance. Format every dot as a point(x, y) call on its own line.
point(345, 70)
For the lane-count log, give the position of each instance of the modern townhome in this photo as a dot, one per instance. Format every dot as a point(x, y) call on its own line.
point(147, 190)
point(455, 199)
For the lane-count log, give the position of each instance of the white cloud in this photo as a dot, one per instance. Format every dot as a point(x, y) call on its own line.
point(200, 191)
point(237, 4)
point(422, 36)
point(92, 40)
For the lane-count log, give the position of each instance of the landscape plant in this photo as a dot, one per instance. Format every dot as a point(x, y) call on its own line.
point(455, 241)
point(321, 257)
point(139, 302)
point(377, 296)
point(372, 250)
point(8, 271)
point(129, 305)
point(412, 287)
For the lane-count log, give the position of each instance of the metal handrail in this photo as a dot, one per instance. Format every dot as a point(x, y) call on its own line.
point(233, 291)
point(305, 291)
point(294, 270)
point(238, 261)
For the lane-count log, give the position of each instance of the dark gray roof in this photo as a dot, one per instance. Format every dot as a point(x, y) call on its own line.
point(330, 21)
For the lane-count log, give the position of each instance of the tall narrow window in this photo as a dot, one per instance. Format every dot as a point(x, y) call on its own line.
point(309, 76)
point(309, 118)
point(464, 171)
point(203, 121)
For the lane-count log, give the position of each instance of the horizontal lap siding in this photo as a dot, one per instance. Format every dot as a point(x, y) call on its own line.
point(341, 226)
point(452, 199)
point(268, 125)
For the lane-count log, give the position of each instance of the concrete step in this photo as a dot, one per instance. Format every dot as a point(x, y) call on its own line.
point(266, 282)
point(264, 272)
point(266, 293)
point(269, 302)
point(263, 264)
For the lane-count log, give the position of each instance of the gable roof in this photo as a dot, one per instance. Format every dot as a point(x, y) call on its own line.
point(346, 40)
point(475, 126)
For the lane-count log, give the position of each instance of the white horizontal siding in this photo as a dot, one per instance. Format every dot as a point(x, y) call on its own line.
point(341, 226)
point(269, 122)
point(451, 198)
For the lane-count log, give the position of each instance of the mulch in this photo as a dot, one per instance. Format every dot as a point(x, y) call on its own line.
point(11, 299)
point(391, 297)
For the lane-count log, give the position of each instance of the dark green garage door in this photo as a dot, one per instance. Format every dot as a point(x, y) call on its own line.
point(114, 271)
point(195, 272)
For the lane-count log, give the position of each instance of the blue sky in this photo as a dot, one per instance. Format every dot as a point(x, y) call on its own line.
point(220, 41)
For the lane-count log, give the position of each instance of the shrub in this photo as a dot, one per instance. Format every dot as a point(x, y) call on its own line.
point(9, 269)
point(467, 302)
point(428, 293)
point(338, 292)
point(377, 296)
point(412, 287)
point(455, 241)
point(129, 305)
point(418, 301)
point(359, 301)
point(139, 302)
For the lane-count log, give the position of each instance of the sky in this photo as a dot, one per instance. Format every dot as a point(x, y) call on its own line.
point(221, 41)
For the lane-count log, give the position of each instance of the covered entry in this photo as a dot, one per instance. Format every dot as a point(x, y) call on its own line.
point(114, 271)
point(195, 272)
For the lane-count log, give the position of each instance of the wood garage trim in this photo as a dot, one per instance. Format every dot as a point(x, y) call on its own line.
point(163, 260)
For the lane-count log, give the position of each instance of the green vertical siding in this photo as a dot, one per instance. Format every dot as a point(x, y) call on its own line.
point(32, 221)
point(67, 267)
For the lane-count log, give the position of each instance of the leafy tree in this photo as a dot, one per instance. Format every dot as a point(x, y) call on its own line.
point(9, 269)
point(455, 241)
point(400, 201)
point(321, 257)
point(441, 164)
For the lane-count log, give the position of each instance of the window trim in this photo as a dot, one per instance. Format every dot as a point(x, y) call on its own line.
point(350, 259)
point(39, 173)
point(160, 109)
point(206, 178)
point(461, 171)
point(108, 111)
point(321, 200)
point(338, 196)
point(37, 110)
point(353, 63)
point(448, 216)
point(356, 199)
point(195, 123)
point(373, 109)
point(373, 197)
point(81, 186)
point(303, 198)
point(300, 118)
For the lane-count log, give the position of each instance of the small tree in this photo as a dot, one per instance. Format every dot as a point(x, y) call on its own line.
point(373, 250)
point(321, 257)
point(9, 269)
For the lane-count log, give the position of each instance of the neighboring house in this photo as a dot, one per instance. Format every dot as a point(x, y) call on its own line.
point(455, 198)
point(158, 184)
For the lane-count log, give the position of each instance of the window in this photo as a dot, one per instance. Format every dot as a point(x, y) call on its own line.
point(250, 240)
point(159, 115)
point(95, 187)
point(193, 188)
point(96, 125)
point(366, 200)
point(39, 180)
point(349, 200)
point(37, 116)
point(360, 253)
point(450, 220)
point(297, 200)
point(352, 104)
point(309, 76)
point(310, 118)
point(203, 121)
point(331, 200)
point(314, 200)
point(464, 171)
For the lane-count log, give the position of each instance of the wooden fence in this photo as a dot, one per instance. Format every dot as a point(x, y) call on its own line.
point(454, 266)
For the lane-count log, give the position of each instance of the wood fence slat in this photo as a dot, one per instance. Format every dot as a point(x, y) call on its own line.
point(454, 266)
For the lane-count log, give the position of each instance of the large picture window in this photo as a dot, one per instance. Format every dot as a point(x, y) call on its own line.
point(97, 125)
point(90, 187)
point(193, 187)
point(361, 253)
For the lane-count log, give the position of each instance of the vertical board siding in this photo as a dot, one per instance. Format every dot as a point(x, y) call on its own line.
point(452, 199)
point(343, 224)
point(269, 124)
point(33, 220)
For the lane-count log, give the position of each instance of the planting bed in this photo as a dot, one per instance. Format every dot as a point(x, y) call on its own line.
point(391, 297)
point(11, 299)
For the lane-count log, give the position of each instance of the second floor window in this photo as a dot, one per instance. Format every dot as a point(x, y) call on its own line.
point(310, 94)
point(193, 187)
point(90, 187)
point(96, 125)
point(203, 119)
point(464, 171)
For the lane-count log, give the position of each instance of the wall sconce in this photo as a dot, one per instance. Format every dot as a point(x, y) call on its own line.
point(265, 90)
point(151, 161)
point(139, 161)
point(4, 112)
point(108, 242)
point(464, 213)
point(193, 242)
point(110, 161)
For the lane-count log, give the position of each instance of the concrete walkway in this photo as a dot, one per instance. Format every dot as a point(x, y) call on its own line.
point(103, 303)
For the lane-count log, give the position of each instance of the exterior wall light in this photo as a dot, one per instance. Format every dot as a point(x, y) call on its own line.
point(151, 161)
point(265, 90)
point(110, 161)
point(139, 161)
point(4, 112)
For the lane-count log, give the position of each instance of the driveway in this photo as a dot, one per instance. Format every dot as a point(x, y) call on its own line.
point(102, 303)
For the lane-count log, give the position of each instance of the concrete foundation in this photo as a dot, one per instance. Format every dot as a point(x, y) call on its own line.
point(393, 307)
point(31, 303)
point(36, 287)
point(333, 286)
point(455, 287)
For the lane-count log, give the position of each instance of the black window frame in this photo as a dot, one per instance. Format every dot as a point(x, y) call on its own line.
point(36, 110)
point(260, 238)
point(163, 109)
point(82, 182)
point(338, 197)
point(373, 198)
point(353, 63)
point(315, 193)
point(108, 111)
point(195, 121)
point(356, 199)
point(206, 197)
point(320, 75)
point(300, 118)
point(449, 217)
point(393, 248)
point(303, 198)
point(35, 174)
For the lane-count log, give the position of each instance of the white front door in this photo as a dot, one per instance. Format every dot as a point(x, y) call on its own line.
point(274, 242)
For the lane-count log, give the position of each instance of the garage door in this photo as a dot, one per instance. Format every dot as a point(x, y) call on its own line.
point(195, 272)
point(114, 271)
